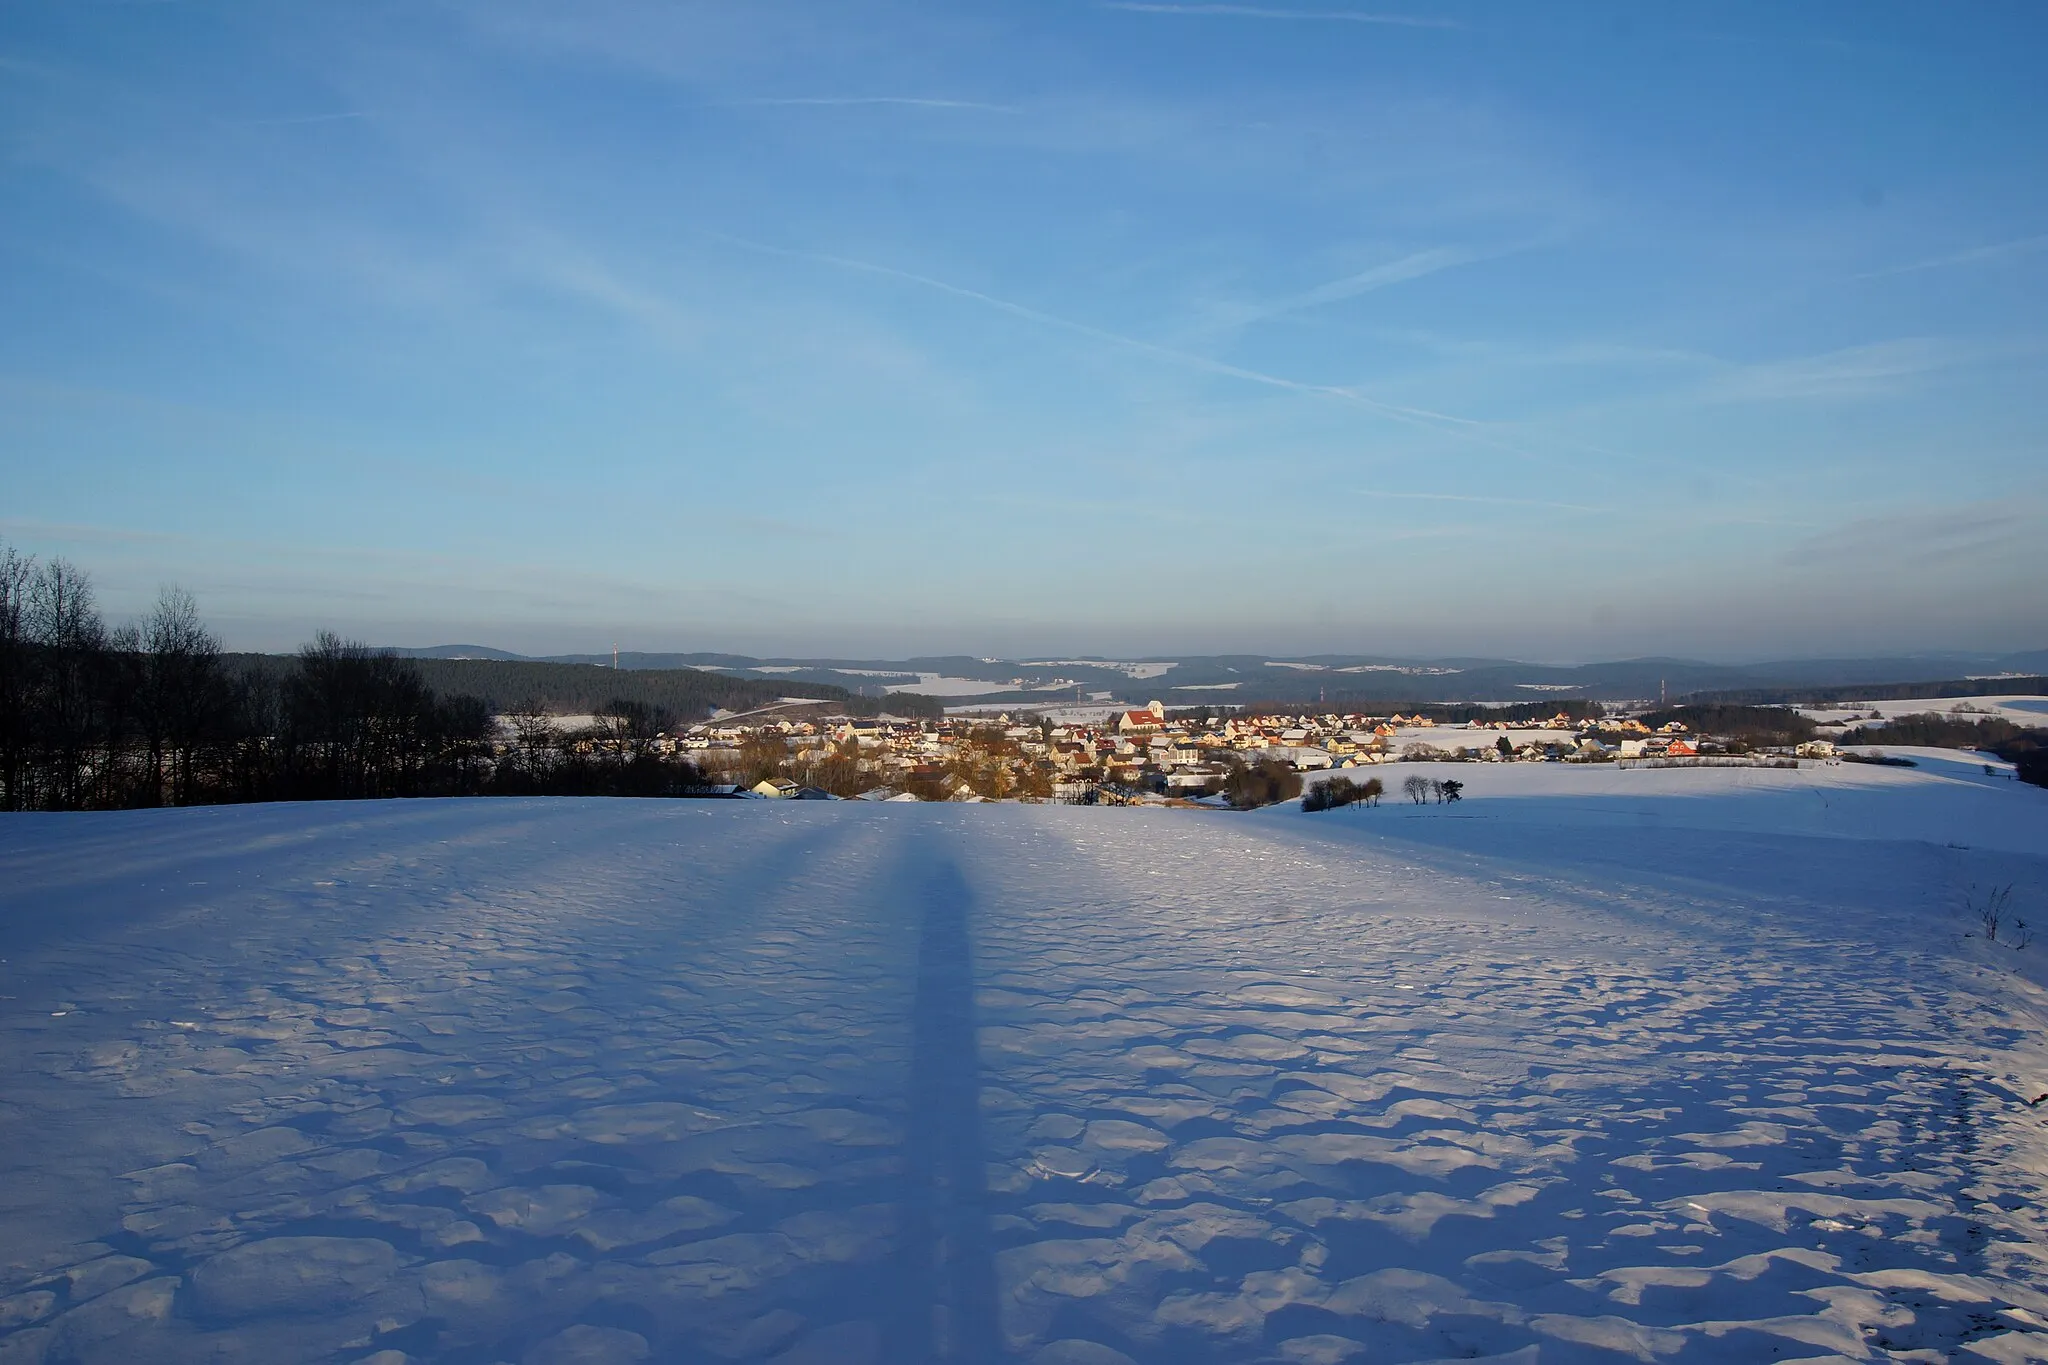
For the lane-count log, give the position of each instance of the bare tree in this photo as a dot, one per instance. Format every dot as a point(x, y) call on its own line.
point(181, 692)
point(628, 729)
point(763, 755)
point(538, 740)
point(360, 722)
point(1416, 788)
point(17, 571)
point(68, 646)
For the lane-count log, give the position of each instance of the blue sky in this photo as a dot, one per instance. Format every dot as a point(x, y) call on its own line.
point(1560, 332)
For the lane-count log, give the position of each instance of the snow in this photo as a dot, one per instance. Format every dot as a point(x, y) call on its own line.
point(1138, 672)
point(1450, 738)
point(941, 685)
point(1596, 1065)
point(1947, 799)
point(2020, 710)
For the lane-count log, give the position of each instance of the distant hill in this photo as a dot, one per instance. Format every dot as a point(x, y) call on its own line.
point(2033, 661)
point(456, 652)
point(579, 689)
point(1327, 679)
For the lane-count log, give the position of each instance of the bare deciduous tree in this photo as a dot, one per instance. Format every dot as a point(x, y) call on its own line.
point(16, 572)
point(181, 693)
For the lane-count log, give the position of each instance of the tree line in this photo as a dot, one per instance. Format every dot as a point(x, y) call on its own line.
point(2026, 748)
point(1750, 724)
point(154, 714)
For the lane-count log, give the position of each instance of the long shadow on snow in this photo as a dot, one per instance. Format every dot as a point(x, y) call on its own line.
point(946, 1267)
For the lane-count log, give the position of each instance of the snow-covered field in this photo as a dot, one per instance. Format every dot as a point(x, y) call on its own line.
point(2020, 710)
point(1632, 1070)
point(1962, 801)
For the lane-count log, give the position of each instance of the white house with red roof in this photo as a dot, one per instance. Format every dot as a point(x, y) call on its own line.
point(1144, 722)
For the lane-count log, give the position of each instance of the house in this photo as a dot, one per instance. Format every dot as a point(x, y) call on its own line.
point(1144, 722)
point(1680, 748)
point(775, 786)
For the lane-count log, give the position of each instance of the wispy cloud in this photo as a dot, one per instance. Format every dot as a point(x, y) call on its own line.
point(1486, 500)
point(340, 117)
point(1978, 255)
point(596, 283)
point(1261, 12)
point(855, 101)
point(1854, 371)
point(301, 580)
point(1410, 267)
point(1940, 535)
point(1467, 427)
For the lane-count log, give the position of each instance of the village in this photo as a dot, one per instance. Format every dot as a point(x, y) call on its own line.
point(1147, 755)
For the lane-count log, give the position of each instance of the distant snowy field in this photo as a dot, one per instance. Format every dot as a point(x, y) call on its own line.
point(2020, 710)
point(1657, 1065)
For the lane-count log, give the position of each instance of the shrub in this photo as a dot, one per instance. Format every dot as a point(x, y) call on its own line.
point(1261, 784)
point(1342, 791)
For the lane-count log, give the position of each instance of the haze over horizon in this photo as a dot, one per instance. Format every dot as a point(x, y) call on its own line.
point(2033, 660)
point(1115, 328)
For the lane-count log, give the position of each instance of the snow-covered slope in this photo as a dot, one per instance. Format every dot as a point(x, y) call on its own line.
point(699, 1081)
point(1950, 797)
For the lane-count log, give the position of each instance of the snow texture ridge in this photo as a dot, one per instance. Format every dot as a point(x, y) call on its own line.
point(549, 1082)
